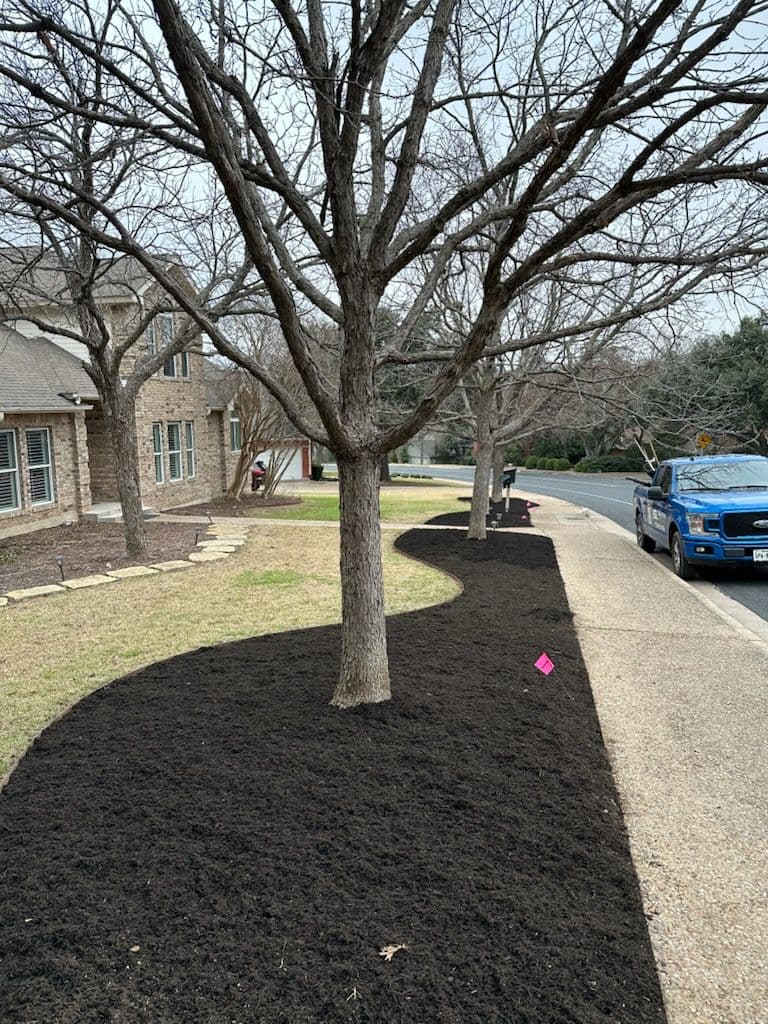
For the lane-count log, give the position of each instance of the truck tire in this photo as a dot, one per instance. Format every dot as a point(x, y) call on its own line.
point(680, 563)
point(644, 542)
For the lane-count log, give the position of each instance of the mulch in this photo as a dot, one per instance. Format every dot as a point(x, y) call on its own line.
point(208, 840)
point(519, 514)
point(226, 506)
point(29, 559)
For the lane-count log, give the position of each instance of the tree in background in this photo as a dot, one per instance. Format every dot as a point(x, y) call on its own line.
point(264, 423)
point(716, 385)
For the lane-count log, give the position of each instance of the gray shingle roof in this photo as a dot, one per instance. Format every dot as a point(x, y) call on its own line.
point(29, 276)
point(221, 384)
point(35, 374)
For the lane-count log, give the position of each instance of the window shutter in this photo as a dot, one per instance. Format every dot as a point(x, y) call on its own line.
point(7, 460)
point(9, 475)
point(39, 464)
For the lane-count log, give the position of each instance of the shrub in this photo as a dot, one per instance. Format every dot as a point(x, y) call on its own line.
point(551, 463)
point(513, 455)
point(562, 464)
point(610, 464)
point(541, 462)
point(548, 447)
point(532, 462)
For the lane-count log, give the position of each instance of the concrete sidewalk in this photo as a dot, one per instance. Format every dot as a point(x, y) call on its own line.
point(681, 690)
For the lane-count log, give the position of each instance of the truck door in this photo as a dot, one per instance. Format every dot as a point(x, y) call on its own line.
point(657, 512)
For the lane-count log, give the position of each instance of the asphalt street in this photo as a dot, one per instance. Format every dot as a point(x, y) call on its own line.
point(611, 496)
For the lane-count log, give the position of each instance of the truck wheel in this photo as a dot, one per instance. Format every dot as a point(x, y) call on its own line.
point(680, 563)
point(642, 541)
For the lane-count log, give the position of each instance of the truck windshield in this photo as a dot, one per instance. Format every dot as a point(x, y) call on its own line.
point(724, 476)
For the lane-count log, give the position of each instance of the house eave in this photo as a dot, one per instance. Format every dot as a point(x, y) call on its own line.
point(83, 407)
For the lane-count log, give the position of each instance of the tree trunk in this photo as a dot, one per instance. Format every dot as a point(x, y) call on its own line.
point(364, 675)
point(384, 469)
point(478, 514)
point(498, 473)
point(120, 416)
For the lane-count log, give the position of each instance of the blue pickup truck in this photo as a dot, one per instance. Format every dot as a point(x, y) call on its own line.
point(708, 510)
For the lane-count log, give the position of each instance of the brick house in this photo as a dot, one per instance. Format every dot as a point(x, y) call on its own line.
point(55, 455)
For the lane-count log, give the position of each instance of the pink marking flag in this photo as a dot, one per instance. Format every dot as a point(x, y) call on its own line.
point(531, 504)
point(544, 663)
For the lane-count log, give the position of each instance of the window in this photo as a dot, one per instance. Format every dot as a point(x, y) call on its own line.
point(9, 472)
point(162, 335)
point(157, 446)
point(235, 433)
point(184, 364)
point(39, 465)
point(665, 479)
point(174, 451)
point(189, 445)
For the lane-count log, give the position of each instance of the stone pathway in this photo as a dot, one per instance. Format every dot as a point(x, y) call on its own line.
point(219, 541)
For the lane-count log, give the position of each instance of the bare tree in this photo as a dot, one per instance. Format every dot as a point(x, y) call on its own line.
point(53, 272)
point(263, 420)
point(333, 132)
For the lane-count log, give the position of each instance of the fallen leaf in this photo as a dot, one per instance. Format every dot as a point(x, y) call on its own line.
point(134, 949)
point(389, 951)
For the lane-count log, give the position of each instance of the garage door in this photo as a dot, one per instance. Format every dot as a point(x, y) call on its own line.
point(293, 470)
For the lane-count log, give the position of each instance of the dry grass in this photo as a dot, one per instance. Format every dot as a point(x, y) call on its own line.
point(58, 649)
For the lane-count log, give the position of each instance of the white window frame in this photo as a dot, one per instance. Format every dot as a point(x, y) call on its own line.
point(189, 448)
point(157, 452)
point(175, 451)
point(235, 427)
point(47, 467)
point(149, 334)
point(163, 327)
point(13, 472)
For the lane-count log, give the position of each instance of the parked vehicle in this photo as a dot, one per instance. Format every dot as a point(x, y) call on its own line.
point(258, 472)
point(708, 510)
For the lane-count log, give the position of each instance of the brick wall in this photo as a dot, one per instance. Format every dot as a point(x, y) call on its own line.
point(70, 471)
point(167, 400)
point(100, 457)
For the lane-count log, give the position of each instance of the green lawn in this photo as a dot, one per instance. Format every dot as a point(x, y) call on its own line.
point(396, 506)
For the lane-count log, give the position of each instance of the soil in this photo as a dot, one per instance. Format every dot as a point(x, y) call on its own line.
point(226, 506)
point(208, 840)
point(519, 514)
point(29, 559)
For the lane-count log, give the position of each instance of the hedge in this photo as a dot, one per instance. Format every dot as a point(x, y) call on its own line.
point(610, 464)
point(532, 462)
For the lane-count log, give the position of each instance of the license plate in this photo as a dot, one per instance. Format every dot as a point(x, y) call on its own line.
point(760, 555)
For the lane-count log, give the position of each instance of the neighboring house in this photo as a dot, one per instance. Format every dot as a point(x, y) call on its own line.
point(55, 454)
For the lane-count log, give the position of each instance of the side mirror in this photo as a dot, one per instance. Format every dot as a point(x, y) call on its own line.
point(656, 494)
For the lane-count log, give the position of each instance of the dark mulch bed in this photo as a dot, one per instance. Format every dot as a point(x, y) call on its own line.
point(29, 560)
point(519, 514)
point(229, 507)
point(207, 840)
